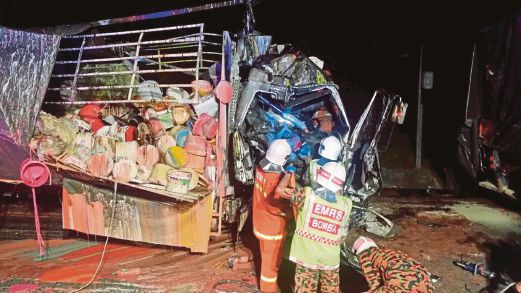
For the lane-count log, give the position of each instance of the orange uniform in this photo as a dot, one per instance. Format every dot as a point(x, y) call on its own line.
point(269, 224)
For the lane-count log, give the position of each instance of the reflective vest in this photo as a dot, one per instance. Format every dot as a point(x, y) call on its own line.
point(320, 227)
point(269, 221)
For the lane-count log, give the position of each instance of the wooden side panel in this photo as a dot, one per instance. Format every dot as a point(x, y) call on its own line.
point(89, 210)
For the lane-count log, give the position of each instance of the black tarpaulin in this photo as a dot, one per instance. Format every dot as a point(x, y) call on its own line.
point(493, 112)
point(499, 61)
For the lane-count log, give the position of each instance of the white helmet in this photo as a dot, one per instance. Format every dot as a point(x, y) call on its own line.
point(332, 176)
point(278, 152)
point(330, 148)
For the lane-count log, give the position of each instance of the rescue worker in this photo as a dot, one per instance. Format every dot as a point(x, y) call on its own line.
point(322, 222)
point(323, 126)
point(389, 270)
point(269, 211)
point(328, 151)
point(323, 120)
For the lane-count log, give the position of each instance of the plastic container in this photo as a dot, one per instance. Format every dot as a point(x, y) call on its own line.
point(195, 147)
point(195, 177)
point(211, 168)
point(100, 164)
point(165, 142)
point(143, 173)
point(90, 112)
point(149, 90)
point(124, 170)
point(176, 157)
point(178, 181)
point(127, 150)
point(34, 173)
point(159, 173)
point(180, 114)
point(204, 87)
point(205, 126)
point(147, 155)
point(177, 94)
point(208, 104)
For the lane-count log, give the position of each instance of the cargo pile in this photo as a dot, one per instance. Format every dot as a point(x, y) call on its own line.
point(159, 145)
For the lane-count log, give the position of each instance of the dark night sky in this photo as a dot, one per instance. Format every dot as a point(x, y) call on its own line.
point(374, 34)
point(290, 17)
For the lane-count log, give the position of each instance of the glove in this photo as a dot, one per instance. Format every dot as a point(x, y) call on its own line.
point(292, 157)
point(291, 169)
point(363, 243)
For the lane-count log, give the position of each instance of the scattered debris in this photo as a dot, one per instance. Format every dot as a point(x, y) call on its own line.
point(476, 269)
point(235, 259)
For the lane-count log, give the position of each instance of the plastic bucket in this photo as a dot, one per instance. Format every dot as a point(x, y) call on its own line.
point(34, 173)
point(176, 157)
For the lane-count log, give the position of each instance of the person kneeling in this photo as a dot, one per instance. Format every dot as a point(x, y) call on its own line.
point(389, 270)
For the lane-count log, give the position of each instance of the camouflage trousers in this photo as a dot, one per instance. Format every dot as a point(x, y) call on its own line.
point(309, 280)
point(389, 271)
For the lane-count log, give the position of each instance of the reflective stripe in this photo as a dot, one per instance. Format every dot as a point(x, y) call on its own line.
point(312, 171)
point(268, 280)
point(266, 237)
point(317, 238)
point(258, 186)
point(310, 199)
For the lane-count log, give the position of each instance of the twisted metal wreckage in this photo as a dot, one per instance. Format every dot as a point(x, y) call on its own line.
point(299, 87)
point(275, 93)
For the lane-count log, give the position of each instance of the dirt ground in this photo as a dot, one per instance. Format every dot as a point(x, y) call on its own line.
point(437, 230)
point(434, 229)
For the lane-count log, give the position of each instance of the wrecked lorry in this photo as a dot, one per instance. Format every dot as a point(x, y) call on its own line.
point(281, 96)
point(121, 105)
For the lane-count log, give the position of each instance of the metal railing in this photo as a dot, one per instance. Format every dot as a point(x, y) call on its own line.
point(184, 49)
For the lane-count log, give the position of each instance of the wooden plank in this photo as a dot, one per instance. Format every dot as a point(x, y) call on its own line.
point(164, 195)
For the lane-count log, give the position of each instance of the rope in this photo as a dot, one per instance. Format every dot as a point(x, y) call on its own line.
point(106, 242)
point(37, 224)
point(507, 287)
point(35, 180)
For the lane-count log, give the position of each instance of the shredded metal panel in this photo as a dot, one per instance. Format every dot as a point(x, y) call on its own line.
point(26, 62)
